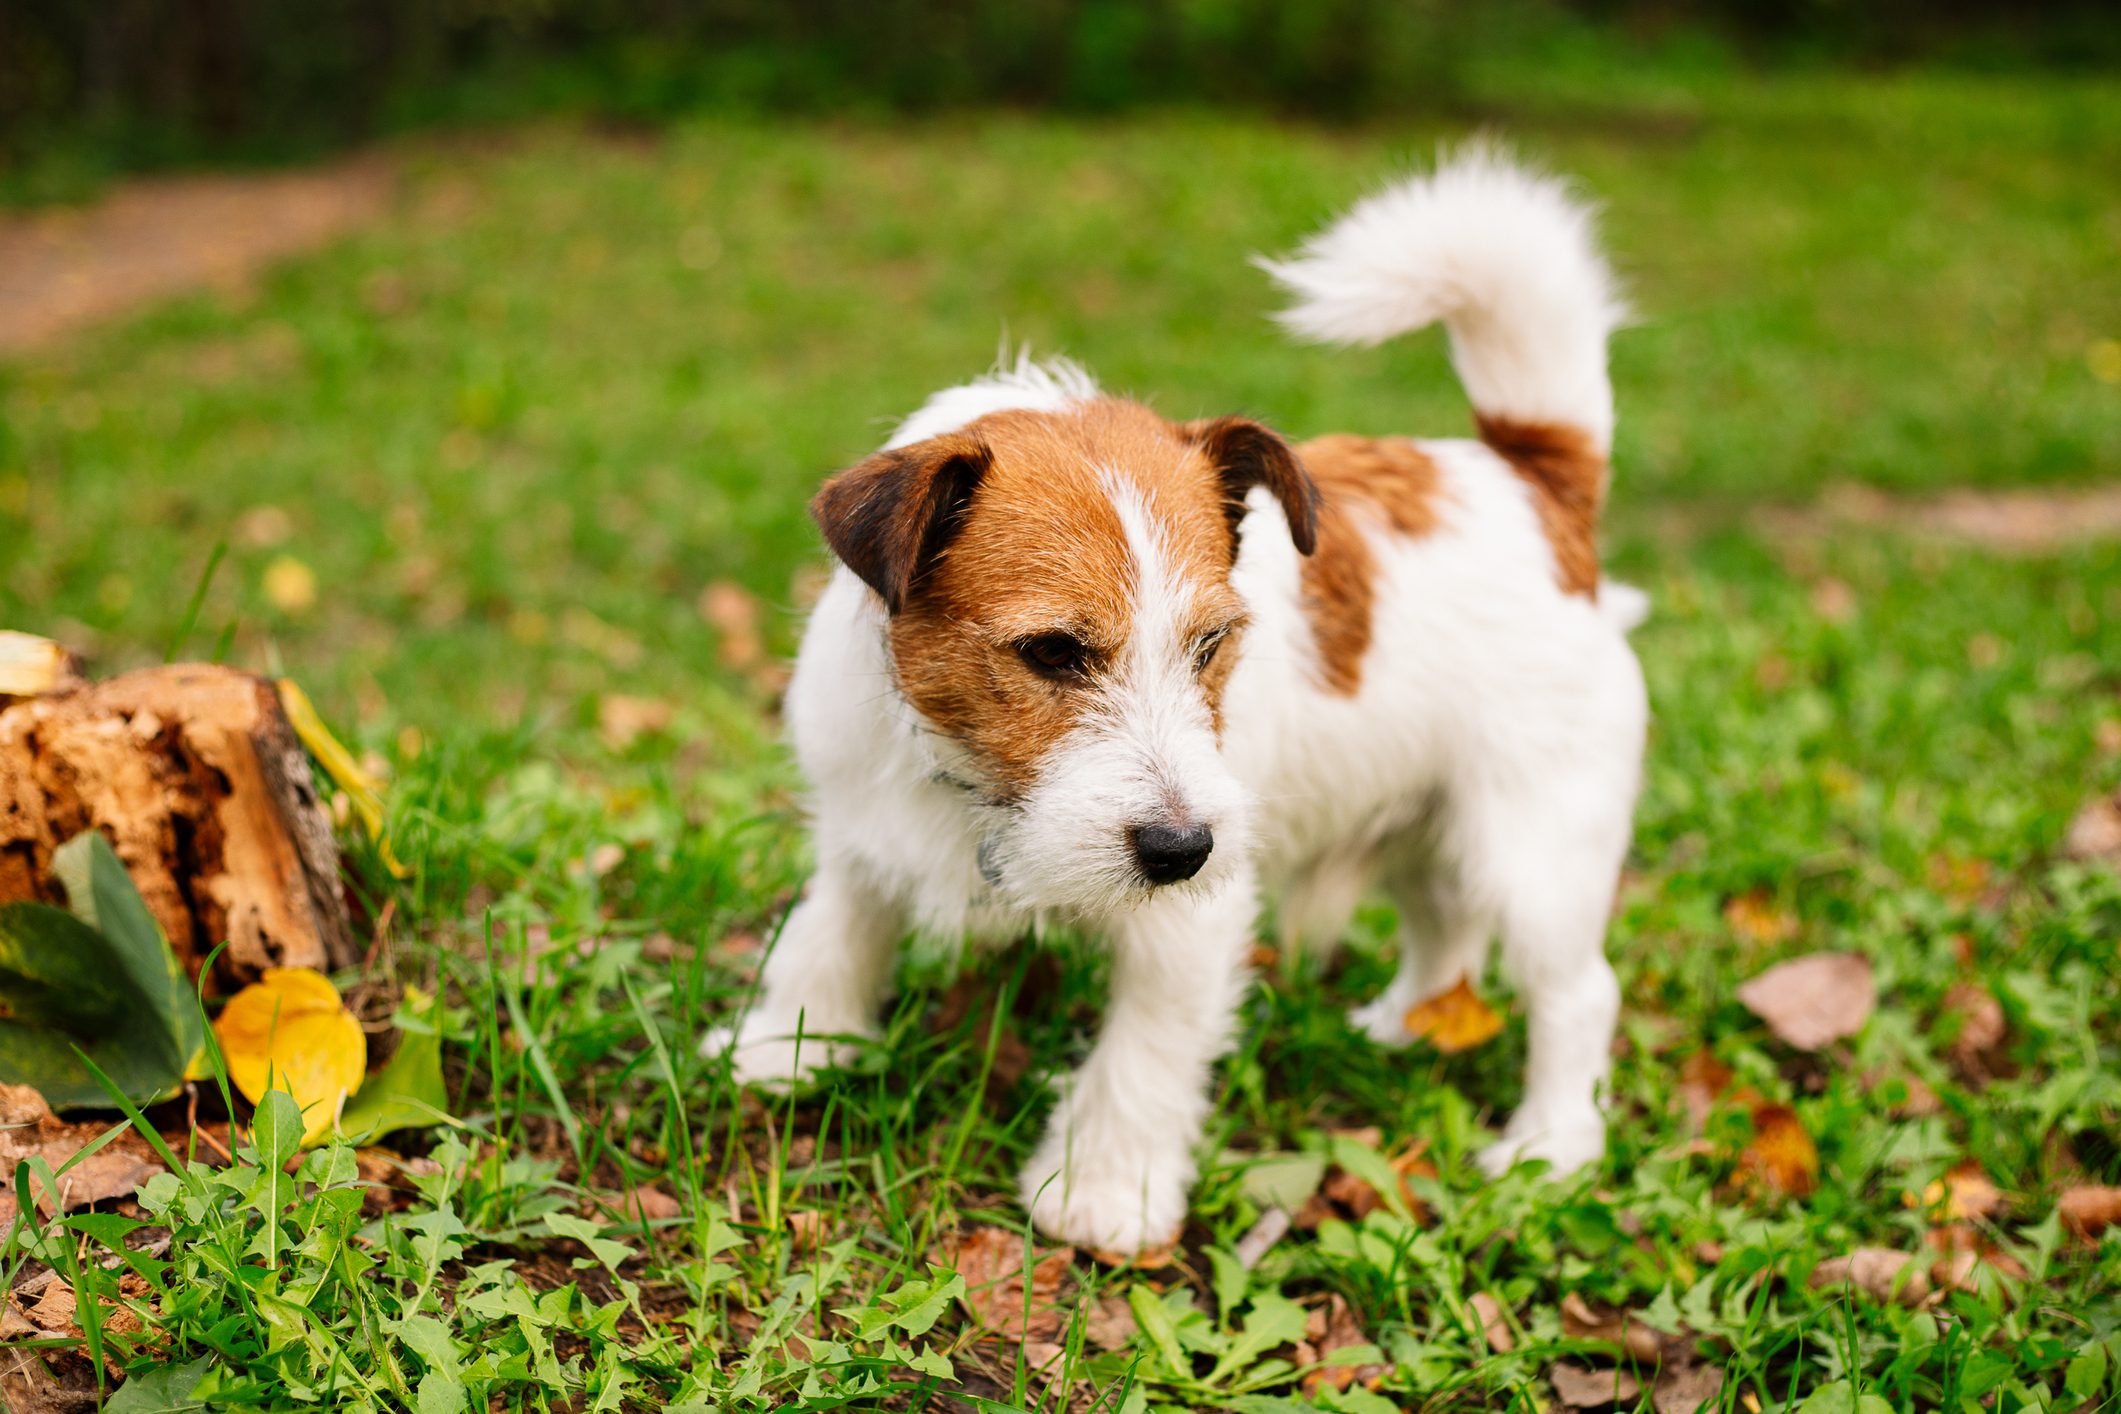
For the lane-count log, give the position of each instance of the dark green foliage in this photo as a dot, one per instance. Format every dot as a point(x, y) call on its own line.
point(91, 86)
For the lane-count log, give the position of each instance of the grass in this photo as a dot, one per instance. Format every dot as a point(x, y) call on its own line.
point(509, 436)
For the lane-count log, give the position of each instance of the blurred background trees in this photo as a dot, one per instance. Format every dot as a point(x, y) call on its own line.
point(91, 87)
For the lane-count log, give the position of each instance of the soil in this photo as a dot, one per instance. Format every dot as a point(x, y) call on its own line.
point(64, 269)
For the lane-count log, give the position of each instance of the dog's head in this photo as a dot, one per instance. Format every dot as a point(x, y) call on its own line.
point(1061, 613)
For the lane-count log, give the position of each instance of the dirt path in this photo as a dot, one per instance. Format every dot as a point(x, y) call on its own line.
point(157, 237)
point(2006, 522)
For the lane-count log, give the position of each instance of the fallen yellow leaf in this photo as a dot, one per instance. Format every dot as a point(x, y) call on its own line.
point(1454, 1021)
point(1782, 1157)
point(289, 1031)
point(1755, 917)
point(290, 586)
point(363, 791)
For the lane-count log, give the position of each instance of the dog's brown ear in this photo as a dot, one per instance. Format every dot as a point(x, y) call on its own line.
point(1247, 454)
point(888, 517)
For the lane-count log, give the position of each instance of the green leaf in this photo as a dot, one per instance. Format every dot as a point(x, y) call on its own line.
point(2086, 1373)
point(101, 894)
point(1840, 1397)
point(167, 1389)
point(99, 977)
point(1279, 1179)
point(68, 990)
point(276, 1130)
point(1231, 1282)
point(1274, 1320)
point(1154, 1320)
point(407, 1093)
point(921, 1313)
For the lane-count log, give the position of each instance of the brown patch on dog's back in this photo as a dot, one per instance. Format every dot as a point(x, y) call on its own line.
point(1359, 478)
point(1567, 474)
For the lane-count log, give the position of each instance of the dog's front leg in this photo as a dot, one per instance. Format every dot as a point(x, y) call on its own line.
point(1117, 1159)
point(823, 981)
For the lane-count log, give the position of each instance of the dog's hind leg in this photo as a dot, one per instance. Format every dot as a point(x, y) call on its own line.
point(1443, 936)
point(1113, 1169)
point(1550, 858)
point(822, 983)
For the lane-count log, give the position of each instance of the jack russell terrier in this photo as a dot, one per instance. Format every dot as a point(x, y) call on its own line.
point(1083, 664)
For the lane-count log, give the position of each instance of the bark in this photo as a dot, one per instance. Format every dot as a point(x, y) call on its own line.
point(194, 775)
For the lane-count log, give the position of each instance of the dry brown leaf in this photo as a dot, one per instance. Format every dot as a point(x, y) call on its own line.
point(30, 1128)
point(1965, 1192)
point(991, 1260)
point(1754, 916)
point(1149, 1259)
point(1703, 1080)
point(1977, 1048)
point(622, 720)
point(262, 527)
point(1963, 878)
point(734, 614)
point(29, 1386)
point(1580, 1320)
point(1337, 1328)
point(1686, 1388)
point(651, 1204)
point(1454, 1021)
point(53, 1311)
point(1962, 1248)
point(1920, 1101)
point(1579, 1387)
point(2089, 1210)
point(1833, 600)
point(289, 1031)
point(1813, 1001)
point(1109, 1325)
point(1343, 1195)
point(1494, 1328)
point(2095, 835)
point(1781, 1157)
point(1879, 1272)
point(808, 1228)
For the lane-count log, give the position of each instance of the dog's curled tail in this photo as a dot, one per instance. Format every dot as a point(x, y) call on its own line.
point(1508, 260)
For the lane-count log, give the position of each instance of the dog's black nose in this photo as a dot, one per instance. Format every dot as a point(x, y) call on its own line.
point(1167, 855)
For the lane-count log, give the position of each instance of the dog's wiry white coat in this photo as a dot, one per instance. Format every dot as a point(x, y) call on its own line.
point(1483, 775)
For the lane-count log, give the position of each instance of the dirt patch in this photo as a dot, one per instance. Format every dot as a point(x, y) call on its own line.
point(150, 239)
point(2010, 522)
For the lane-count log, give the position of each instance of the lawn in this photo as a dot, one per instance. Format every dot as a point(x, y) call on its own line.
point(501, 479)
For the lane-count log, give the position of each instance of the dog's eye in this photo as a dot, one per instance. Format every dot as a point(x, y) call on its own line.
point(1204, 653)
point(1055, 655)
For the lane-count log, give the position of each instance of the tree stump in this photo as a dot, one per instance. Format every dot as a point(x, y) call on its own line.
point(202, 788)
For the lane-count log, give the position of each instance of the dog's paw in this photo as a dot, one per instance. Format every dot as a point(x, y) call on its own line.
point(1383, 1020)
point(1119, 1203)
point(1564, 1147)
point(768, 1054)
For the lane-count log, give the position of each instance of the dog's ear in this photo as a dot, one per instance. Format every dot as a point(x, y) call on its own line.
point(1247, 454)
point(888, 517)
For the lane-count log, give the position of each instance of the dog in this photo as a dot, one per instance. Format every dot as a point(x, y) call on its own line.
point(1083, 664)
